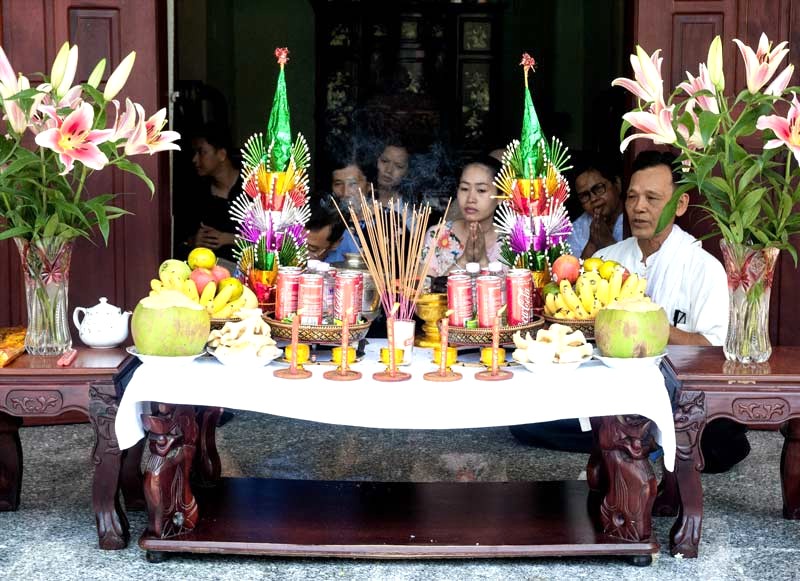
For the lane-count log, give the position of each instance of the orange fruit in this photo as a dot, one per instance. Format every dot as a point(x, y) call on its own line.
point(607, 269)
point(202, 258)
point(592, 264)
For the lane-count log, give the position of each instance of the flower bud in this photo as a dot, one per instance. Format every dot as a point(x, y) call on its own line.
point(59, 65)
point(119, 77)
point(97, 74)
point(69, 72)
point(714, 64)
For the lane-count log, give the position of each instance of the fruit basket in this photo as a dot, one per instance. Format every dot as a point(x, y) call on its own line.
point(219, 323)
point(323, 334)
point(482, 336)
point(586, 326)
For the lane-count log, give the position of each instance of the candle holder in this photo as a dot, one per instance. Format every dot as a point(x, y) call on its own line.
point(343, 373)
point(430, 308)
point(494, 373)
point(295, 370)
point(444, 373)
point(391, 373)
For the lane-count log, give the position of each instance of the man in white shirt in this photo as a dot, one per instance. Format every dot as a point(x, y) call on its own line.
point(683, 278)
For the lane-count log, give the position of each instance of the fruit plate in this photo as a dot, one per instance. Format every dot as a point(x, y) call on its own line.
point(630, 362)
point(164, 361)
point(553, 368)
point(244, 361)
point(322, 334)
point(483, 335)
point(586, 326)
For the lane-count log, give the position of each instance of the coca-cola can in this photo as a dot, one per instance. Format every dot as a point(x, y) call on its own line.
point(360, 300)
point(286, 287)
point(309, 299)
point(345, 295)
point(519, 297)
point(459, 299)
point(490, 299)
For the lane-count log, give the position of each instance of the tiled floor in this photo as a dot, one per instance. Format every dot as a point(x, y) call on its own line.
point(52, 536)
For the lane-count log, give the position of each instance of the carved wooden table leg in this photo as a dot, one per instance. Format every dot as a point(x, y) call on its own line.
point(790, 469)
point(171, 506)
point(132, 479)
point(112, 524)
point(596, 476)
point(668, 499)
point(626, 508)
point(690, 418)
point(207, 467)
point(10, 462)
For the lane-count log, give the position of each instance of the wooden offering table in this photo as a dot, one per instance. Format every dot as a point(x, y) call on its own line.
point(608, 515)
point(707, 387)
point(36, 387)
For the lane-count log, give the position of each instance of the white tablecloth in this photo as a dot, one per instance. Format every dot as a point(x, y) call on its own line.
point(592, 390)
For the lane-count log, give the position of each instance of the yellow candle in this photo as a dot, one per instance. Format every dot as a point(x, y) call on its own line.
point(303, 353)
point(486, 355)
point(336, 355)
point(452, 355)
point(385, 355)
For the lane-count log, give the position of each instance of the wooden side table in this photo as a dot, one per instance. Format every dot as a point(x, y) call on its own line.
point(37, 387)
point(707, 387)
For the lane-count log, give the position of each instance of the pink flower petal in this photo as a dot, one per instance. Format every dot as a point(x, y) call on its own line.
point(79, 121)
point(90, 156)
point(49, 139)
point(7, 75)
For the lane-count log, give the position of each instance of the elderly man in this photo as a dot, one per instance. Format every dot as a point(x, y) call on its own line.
point(683, 278)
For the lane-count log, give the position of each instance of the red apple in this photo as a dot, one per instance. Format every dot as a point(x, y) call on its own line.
point(220, 272)
point(201, 277)
point(567, 267)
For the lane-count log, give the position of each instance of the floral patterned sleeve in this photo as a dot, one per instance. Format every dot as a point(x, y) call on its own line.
point(446, 250)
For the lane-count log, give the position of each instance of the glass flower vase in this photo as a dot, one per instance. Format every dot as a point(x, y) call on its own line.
point(749, 270)
point(45, 269)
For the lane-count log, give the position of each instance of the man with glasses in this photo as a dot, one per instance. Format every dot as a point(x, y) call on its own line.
point(328, 239)
point(598, 189)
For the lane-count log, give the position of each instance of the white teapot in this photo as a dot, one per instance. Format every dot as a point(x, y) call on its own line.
point(103, 326)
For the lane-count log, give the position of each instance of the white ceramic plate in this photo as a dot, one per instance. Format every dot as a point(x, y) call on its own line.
point(244, 361)
point(164, 361)
point(629, 362)
point(553, 368)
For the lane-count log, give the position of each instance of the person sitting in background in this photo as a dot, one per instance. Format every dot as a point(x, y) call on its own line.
point(598, 187)
point(391, 168)
point(472, 238)
point(212, 224)
point(328, 239)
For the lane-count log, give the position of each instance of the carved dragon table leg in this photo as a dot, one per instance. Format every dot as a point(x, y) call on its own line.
point(132, 479)
point(112, 524)
point(171, 506)
point(207, 467)
point(10, 462)
point(625, 442)
point(790, 469)
point(690, 418)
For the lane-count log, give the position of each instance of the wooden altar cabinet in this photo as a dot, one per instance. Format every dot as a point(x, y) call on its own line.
point(35, 387)
point(609, 515)
point(706, 387)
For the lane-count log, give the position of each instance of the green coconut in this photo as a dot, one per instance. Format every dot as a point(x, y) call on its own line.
point(633, 327)
point(170, 324)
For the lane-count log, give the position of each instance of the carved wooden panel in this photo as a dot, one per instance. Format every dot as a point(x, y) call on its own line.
point(761, 409)
point(39, 402)
point(691, 35)
point(96, 32)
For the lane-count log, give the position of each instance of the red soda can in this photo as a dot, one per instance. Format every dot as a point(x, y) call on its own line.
point(519, 297)
point(345, 295)
point(360, 302)
point(309, 298)
point(459, 299)
point(286, 287)
point(490, 299)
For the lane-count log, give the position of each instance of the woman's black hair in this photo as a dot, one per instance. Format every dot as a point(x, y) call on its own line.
point(607, 166)
point(487, 160)
point(218, 137)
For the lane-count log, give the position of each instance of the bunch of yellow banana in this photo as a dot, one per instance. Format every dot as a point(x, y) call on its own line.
point(591, 293)
point(220, 305)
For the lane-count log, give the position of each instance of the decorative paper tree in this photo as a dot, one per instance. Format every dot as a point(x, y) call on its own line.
point(532, 221)
point(273, 207)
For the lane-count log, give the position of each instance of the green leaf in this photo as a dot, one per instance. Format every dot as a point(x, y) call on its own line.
point(14, 231)
point(668, 213)
point(708, 124)
point(136, 169)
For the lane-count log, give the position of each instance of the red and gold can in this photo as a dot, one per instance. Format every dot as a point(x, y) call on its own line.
point(459, 299)
point(490, 299)
point(286, 287)
point(309, 298)
point(360, 302)
point(519, 297)
point(345, 295)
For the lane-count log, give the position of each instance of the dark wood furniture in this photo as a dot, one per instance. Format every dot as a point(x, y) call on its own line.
point(36, 387)
point(610, 516)
point(707, 387)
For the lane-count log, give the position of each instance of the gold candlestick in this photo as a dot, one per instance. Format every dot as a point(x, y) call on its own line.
point(294, 371)
point(444, 373)
point(495, 373)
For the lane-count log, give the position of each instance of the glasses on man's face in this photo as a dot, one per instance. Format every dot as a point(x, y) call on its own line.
point(595, 191)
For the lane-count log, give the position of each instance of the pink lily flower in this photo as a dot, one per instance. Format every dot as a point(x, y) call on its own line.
point(125, 124)
point(73, 139)
point(10, 86)
point(648, 86)
point(147, 137)
point(787, 130)
point(779, 84)
point(695, 140)
point(761, 65)
point(655, 125)
point(702, 82)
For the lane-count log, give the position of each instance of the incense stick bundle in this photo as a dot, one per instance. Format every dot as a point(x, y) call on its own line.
point(392, 251)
